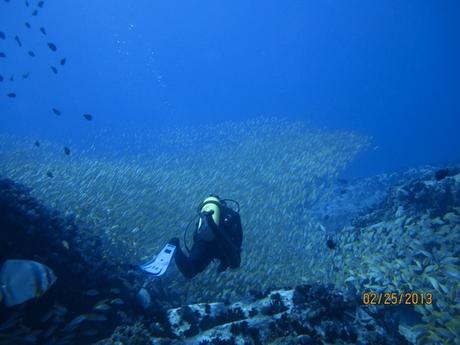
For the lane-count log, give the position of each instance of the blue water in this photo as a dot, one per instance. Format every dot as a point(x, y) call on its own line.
point(385, 69)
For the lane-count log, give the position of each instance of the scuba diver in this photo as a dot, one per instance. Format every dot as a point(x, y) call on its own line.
point(218, 235)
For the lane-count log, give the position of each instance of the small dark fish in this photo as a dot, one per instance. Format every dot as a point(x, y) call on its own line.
point(52, 46)
point(62, 62)
point(27, 4)
point(56, 111)
point(40, 4)
point(2, 54)
point(12, 77)
point(37, 143)
point(54, 69)
point(34, 13)
point(31, 53)
point(42, 29)
point(1, 78)
point(25, 75)
point(441, 174)
point(49, 174)
point(89, 117)
point(11, 95)
point(16, 38)
point(66, 150)
point(330, 244)
point(28, 25)
point(2, 35)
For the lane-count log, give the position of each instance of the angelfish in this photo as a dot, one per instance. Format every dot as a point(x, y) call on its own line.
point(22, 280)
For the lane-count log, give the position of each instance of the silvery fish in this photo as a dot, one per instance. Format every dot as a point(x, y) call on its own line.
point(76, 321)
point(91, 292)
point(101, 306)
point(143, 298)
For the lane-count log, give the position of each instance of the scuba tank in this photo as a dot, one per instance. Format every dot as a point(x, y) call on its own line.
point(211, 205)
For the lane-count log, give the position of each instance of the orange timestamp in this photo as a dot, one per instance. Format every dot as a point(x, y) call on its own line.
point(397, 298)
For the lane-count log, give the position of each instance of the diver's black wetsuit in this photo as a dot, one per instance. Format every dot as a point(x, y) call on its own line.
point(226, 245)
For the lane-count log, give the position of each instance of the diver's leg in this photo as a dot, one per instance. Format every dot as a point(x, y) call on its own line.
point(182, 262)
point(201, 255)
point(199, 259)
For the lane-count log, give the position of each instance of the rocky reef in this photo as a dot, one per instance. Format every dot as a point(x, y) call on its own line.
point(32, 231)
point(348, 200)
point(410, 244)
point(308, 314)
point(90, 297)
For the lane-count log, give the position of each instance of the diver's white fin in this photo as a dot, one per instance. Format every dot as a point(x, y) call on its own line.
point(159, 263)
